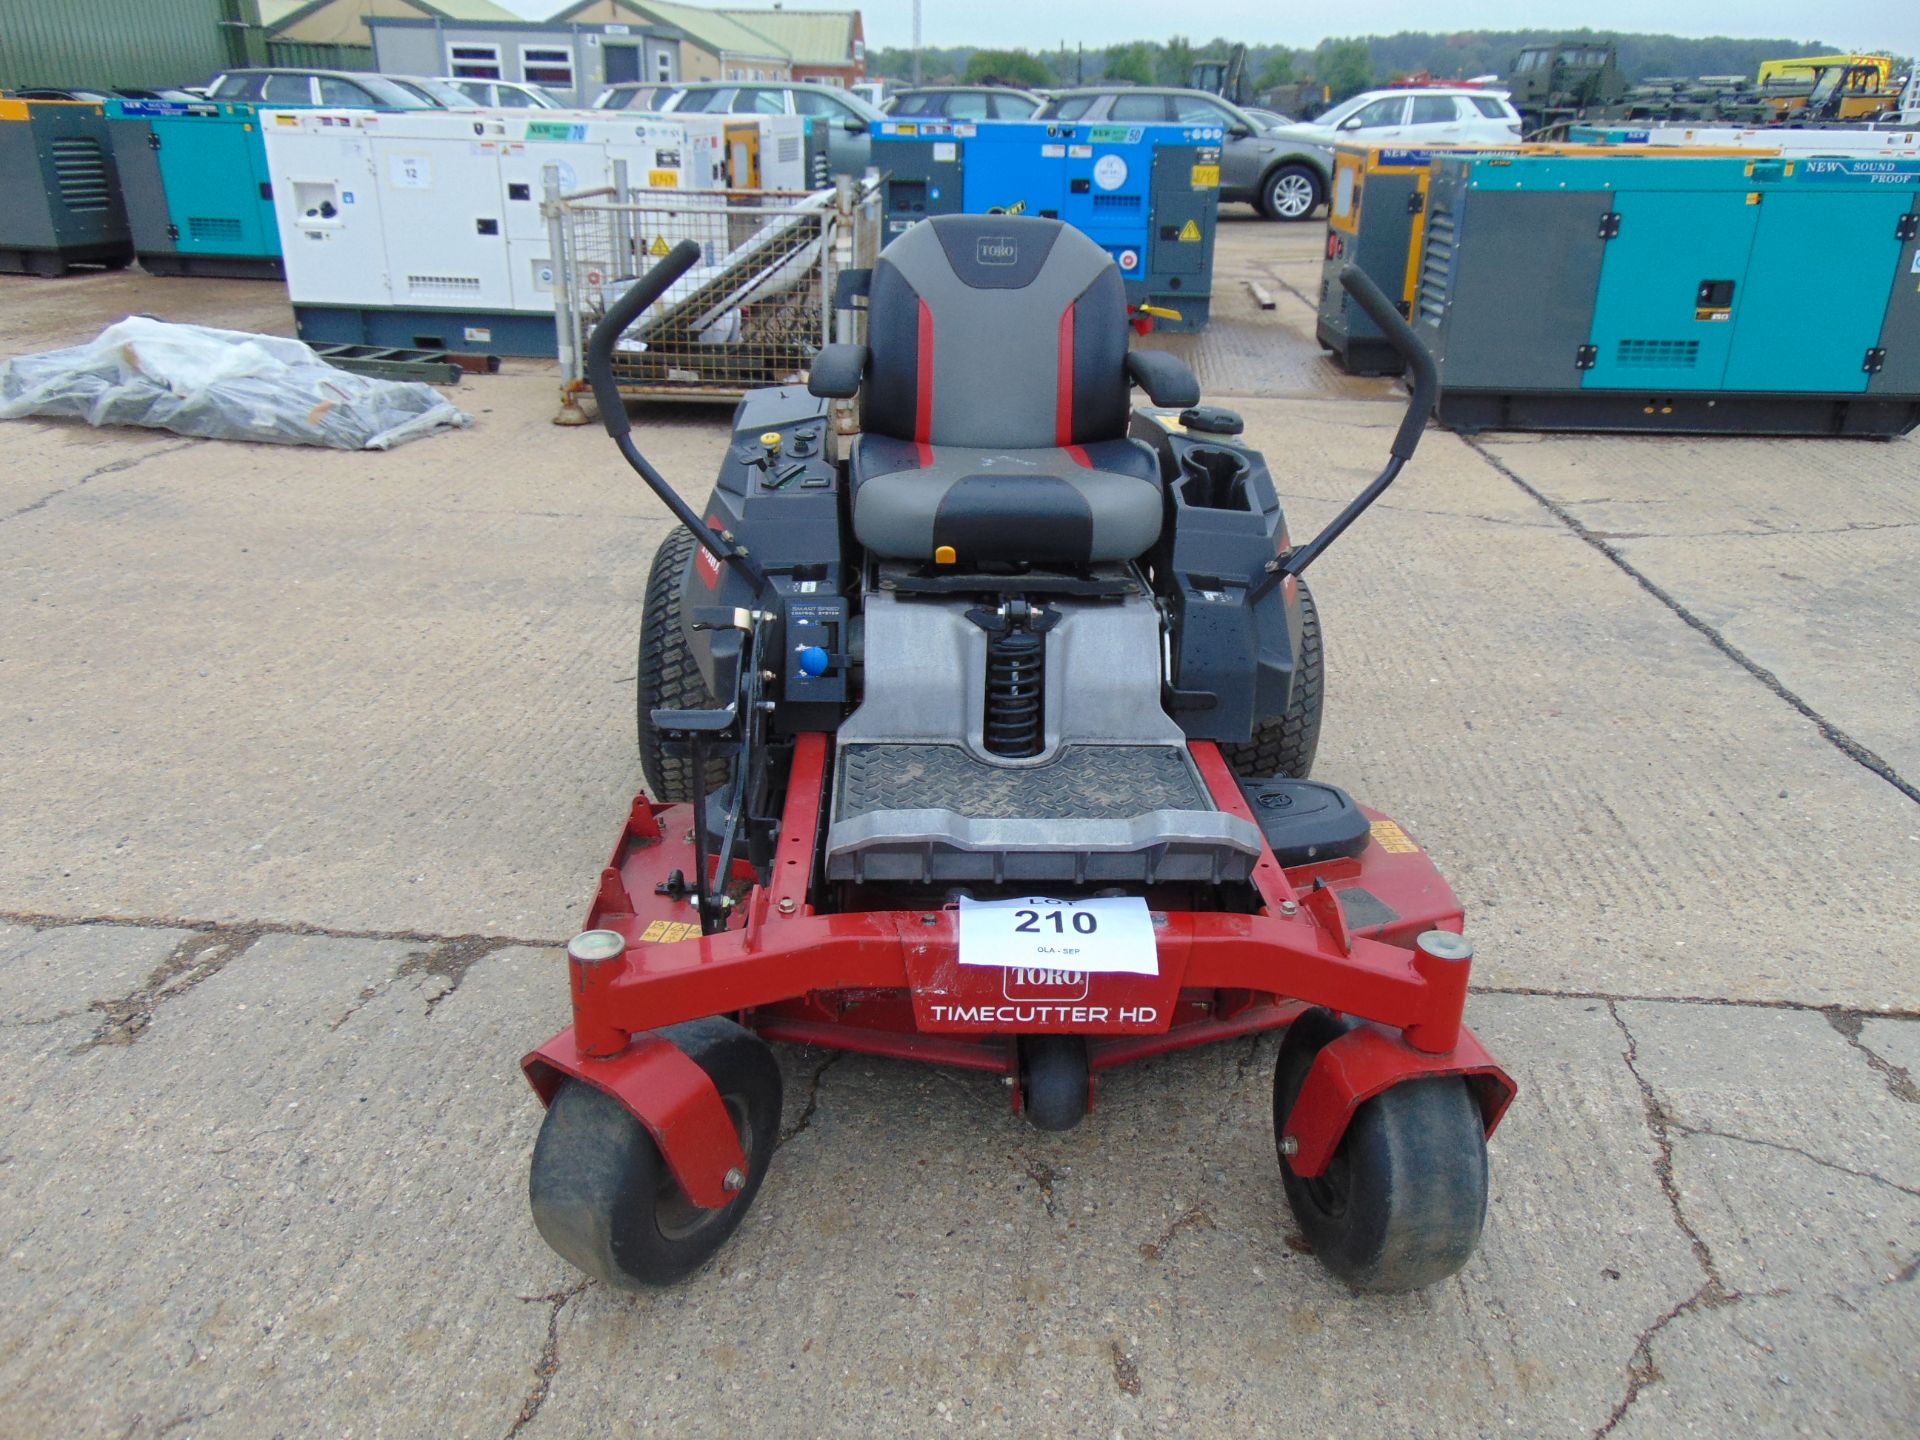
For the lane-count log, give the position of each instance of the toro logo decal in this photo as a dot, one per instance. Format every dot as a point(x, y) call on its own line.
point(704, 562)
point(997, 250)
point(1029, 984)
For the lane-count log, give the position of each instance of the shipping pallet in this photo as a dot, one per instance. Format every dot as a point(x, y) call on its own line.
point(436, 367)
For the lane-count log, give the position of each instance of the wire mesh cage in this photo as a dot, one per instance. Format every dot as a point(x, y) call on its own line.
point(752, 312)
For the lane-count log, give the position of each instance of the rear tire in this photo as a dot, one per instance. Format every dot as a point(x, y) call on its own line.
point(668, 678)
point(1284, 745)
point(1402, 1202)
point(1292, 193)
point(601, 1192)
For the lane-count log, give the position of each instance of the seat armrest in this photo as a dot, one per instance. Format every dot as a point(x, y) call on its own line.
point(1164, 377)
point(836, 371)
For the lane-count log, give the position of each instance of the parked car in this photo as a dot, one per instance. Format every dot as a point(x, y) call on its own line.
point(650, 98)
point(964, 102)
point(96, 97)
point(1269, 119)
point(351, 89)
point(1280, 174)
point(504, 94)
point(442, 94)
point(1433, 116)
point(849, 145)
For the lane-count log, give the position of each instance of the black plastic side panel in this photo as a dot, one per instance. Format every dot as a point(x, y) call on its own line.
point(782, 501)
point(1233, 655)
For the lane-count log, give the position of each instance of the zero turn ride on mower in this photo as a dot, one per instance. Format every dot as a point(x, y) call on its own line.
point(985, 743)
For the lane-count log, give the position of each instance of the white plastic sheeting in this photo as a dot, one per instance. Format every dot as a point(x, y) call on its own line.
point(220, 384)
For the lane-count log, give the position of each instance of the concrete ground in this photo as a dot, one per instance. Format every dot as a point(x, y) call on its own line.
point(311, 758)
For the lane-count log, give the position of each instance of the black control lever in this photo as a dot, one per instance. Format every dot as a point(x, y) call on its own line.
point(613, 406)
point(1425, 390)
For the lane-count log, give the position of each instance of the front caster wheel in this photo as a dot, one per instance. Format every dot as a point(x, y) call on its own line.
point(1056, 1085)
point(602, 1194)
point(1401, 1204)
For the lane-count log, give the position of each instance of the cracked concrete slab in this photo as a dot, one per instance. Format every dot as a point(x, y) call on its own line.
point(1785, 1365)
point(1791, 571)
point(278, 1225)
point(1779, 1077)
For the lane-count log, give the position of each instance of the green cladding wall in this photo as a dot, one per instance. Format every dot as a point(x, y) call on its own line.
point(121, 42)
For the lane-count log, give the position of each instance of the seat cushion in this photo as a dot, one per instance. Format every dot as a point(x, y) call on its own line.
point(1071, 505)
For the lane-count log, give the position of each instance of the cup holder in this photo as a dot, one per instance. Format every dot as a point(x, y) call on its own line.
point(1213, 479)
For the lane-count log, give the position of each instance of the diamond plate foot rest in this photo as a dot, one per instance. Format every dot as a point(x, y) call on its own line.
point(1139, 814)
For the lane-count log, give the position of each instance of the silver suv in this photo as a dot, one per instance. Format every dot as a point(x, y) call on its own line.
point(848, 117)
point(1284, 179)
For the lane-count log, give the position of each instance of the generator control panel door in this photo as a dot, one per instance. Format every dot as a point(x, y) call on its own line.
point(1899, 372)
point(1816, 288)
point(1651, 333)
point(446, 249)
point(212, 176)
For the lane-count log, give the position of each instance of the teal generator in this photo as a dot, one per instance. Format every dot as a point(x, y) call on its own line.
point(1148, 194)
point(195, 178)
point(1741, 296)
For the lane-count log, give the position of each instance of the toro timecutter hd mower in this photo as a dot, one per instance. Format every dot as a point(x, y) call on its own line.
point(984, 743)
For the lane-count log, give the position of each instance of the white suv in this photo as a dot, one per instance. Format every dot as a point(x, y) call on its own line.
point(1427, 116)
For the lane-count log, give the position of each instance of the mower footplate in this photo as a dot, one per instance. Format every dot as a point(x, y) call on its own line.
point(1095, 814)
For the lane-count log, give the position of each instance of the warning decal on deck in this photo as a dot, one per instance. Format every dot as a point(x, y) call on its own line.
point(1190, 231)
point(1392, 839)
point(665, 932)
point(1206, 177)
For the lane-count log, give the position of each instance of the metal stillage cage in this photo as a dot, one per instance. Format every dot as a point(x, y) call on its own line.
point(751, 313)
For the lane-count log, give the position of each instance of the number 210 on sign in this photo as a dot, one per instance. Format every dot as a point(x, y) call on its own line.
point(1111, 934)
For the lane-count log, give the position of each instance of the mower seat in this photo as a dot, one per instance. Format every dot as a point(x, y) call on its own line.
point(995, 401)
point(1048, 506)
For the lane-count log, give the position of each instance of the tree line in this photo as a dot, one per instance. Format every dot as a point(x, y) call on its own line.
point(1344, 65)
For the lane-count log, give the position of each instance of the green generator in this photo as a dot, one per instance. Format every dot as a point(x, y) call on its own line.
point(195, 178)
point(62, 192)
point(1763, 296)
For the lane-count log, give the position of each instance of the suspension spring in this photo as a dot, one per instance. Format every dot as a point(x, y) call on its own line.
point(1016, 692)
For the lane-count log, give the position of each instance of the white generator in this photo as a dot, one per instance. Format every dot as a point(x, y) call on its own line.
point(422, 229)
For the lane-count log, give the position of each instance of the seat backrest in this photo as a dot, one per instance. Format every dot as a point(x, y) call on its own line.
point(1001, 331)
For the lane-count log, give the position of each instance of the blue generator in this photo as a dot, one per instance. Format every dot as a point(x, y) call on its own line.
point(199, 201)
point(1148, 194)
point(1763, 295)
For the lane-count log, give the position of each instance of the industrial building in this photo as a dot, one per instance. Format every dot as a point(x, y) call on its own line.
point(573, 60)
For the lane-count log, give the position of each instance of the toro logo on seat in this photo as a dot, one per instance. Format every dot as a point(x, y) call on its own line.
point(1035, 984)
point(997, 250)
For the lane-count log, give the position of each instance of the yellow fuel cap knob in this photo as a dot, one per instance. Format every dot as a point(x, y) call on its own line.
point(772, 441)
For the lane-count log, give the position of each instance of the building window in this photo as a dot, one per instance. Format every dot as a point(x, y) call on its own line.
point(547, 65)
point(663, 65)
point(474, 62)
point(859, 51)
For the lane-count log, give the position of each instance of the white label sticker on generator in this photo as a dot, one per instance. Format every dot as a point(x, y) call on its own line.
point(410, 172)
point(1105, 936)
point(1916, 262)
point(945, 150)
point(1110, 172)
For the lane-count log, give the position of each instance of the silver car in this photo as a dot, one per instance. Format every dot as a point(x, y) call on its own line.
point(1282, 177)
point(849, 118)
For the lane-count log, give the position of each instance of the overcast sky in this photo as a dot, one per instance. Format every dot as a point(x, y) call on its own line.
point(1036, 25)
